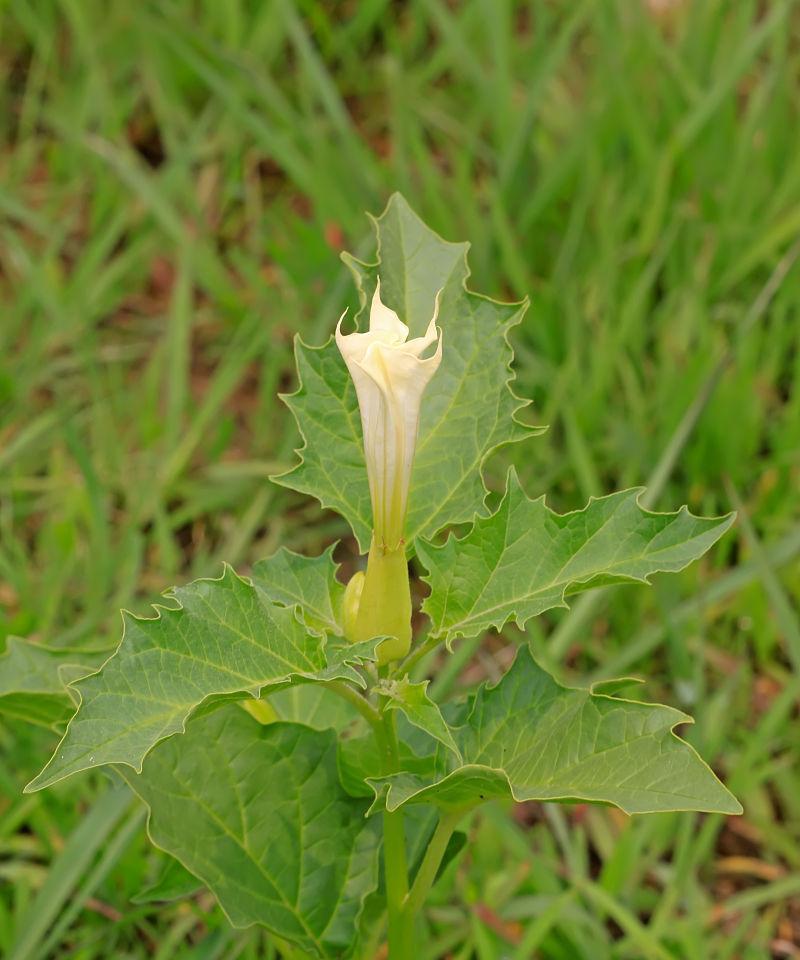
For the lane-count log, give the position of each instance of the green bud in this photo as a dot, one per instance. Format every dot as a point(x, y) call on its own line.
point(384, 604)
point(352, 598)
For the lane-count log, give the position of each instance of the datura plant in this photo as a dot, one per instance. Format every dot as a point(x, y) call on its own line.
point(278, 725)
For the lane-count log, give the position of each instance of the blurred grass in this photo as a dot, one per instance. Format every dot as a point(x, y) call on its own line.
point(176, 181)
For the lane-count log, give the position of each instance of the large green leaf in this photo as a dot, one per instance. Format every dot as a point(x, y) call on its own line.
point(530, 738)
point(306, 582)
point(258, 814)
point(468, 409)
point(525, 558)
point(221, 637)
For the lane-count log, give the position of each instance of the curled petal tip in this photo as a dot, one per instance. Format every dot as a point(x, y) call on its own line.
point(339, 324)
point(383, 321)
point(390, 378)
point(436, 301)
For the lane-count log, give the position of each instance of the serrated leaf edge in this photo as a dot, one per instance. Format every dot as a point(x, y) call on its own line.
point(254, 693)
point(725, 523)
point(120, 769)
point(298, 604)
point(383, 786)
point(520, 402)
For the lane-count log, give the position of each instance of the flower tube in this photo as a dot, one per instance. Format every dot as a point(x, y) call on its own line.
point(390, 376)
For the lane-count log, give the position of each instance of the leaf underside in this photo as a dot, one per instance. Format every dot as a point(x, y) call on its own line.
point(530, 738)
point(258, 814)
point(221, 638)
point(524, 558)
point(468, 411)
point(314, 705)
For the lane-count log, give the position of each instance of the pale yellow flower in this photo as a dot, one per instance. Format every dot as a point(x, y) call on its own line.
point(390, 375)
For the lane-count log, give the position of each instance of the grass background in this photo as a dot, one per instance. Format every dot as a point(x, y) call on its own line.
point(176, 182)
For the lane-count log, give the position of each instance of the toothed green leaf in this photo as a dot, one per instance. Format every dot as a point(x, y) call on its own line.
point(174, 883)
point(412, 699)
point(530, 738)
point(468, 410)
point(524, 558)
point(308, 582)
point(258, 814)
point(219, 638)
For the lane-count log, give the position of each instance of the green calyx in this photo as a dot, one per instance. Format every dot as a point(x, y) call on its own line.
point(378, 603)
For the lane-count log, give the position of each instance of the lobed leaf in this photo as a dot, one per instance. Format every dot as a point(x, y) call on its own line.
point(531, 738)
point(469, 409)
point(258, 814)
point(222, 638)
point(33, 681)
point(174, 883)
point(524, 558)
point(413, 701)
point(309, 583)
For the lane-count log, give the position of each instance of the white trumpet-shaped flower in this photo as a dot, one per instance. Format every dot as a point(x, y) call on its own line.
point(390, 375)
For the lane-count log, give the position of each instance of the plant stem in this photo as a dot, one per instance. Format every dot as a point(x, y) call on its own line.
point(396, 873)
point(394, 855)
point(422, 650)
point(384, 602)
point(430, 864)
point(364, 707)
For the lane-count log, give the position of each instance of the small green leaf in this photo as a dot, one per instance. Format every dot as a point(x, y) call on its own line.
point(313, 704)
point(174, 883)
point(413, 700)
point(530, 738)
point(468, 411)
point(524, 558)
point(361, 761)
point(306, 582)
point(258, 814)
point(33, 681)
point(221, 638)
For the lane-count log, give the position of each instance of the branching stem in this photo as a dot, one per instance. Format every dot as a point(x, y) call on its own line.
point(394, 854)
point(431, 643)
point(430, 864)
point(364, 707)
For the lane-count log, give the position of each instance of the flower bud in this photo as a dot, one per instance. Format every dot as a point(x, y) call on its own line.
point(390, 376)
